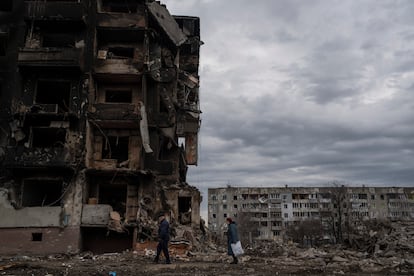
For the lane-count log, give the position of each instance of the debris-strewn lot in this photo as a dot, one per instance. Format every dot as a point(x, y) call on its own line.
point(297, 261)
point(393, 254)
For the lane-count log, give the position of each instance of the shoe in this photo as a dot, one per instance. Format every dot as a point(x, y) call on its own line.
point(156, 261)
point(167, 262)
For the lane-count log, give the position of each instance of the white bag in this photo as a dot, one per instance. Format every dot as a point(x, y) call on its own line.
point(237, 248)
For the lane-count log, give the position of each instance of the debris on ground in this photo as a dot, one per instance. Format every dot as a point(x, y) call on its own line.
point(393, 254)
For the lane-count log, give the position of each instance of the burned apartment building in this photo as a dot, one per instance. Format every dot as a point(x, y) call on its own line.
point(99, 117)
point(269, 213)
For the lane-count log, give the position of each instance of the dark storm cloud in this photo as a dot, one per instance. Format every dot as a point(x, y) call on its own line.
point(304, 92)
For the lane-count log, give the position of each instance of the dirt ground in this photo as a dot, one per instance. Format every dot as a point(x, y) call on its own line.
point(206, 264)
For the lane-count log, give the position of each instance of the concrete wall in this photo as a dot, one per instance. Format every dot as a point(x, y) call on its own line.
point(95, 214)
point(30, 217)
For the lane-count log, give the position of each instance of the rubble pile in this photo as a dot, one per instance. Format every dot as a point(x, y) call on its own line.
point(265, 249)
point(366, 237)
point(399, 241)
point(390, 249)
point(385, 239)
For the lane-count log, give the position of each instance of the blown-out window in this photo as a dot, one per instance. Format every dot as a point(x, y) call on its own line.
point(120, 53)
point(58, 40)
point(53, 92)
point(116, 148)
point(46, 137)
point(41, 192)
point(6, 5)
point(118, 96)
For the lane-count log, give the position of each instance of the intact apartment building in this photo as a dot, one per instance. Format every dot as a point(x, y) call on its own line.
point(99, 119)
point(269, 212)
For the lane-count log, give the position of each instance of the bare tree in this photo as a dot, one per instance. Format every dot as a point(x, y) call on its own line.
point(339, 207)
point(306, 232)
point(247, 228)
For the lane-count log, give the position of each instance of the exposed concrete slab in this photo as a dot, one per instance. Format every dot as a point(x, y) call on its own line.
point(30, 217)
point(96, 214)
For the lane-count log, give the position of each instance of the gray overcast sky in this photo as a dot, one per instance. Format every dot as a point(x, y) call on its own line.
point(304, 92)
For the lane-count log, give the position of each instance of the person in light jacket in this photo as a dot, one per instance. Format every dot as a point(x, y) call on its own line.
point(232, 237)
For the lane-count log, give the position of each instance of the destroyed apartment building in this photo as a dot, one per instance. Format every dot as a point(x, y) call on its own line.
point(99, 117)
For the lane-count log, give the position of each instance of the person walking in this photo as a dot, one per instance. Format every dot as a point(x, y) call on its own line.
point(163, 239)
point(232, 237)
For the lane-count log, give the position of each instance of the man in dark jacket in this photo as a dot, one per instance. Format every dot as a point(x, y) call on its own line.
point(163, 238)
point(232, 237)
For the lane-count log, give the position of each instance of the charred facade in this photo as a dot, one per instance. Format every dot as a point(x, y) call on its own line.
point(99, 117)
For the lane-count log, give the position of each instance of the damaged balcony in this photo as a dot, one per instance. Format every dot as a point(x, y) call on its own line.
point(49, 57)
point(188, 117)
point(40, 147)
point(121, 15)
point(37, 203)
point(122, 115)
point(190, 50)
point(50, 96)
point(110, 200)
point(121, 150)
point(43, 130)
point(113, 149)
point(121, 52)
point(117, 104)
point(57, 44)
point(68, 10)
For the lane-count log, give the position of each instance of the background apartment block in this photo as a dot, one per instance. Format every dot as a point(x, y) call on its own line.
point(267, 213)
point(99, 119)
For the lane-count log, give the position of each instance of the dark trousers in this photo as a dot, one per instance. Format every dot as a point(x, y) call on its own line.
point(163, 246)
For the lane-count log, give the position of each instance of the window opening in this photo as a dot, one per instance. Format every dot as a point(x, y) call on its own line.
point(184, 209)
point(37, 236)
point(120, 53)
point(44, 137)
point(54, 92)
point(40, 192)
point(58, 40)
point(118, 96)
point(115, 195)
point(6, 5)
point(116, 147)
